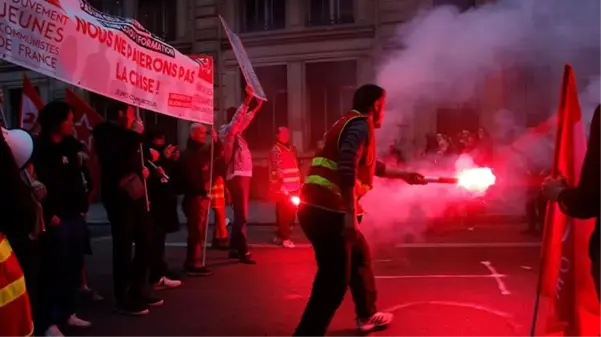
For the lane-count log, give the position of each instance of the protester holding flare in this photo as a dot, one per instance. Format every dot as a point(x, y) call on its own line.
point(339, 176)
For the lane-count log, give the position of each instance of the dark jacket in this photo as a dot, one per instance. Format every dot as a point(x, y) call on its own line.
point(16, 202)
point(195, 169)
point(57, 166)
point(163, 201)
point(583, 200)
point(118, 151)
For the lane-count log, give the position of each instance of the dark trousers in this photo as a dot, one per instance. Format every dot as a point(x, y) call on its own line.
point(239, 188)
point(285, 214)
point(196, 209)
point(130, 223)
point(341, 263)
point(158, 265)
point(62, 259)
point(536, 207)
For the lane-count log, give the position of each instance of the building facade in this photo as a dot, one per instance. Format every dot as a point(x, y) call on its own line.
point(309, 55)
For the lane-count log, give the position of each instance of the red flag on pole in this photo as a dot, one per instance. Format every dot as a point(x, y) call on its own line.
point(566, 279)
point(31, 104)
point(86, 118)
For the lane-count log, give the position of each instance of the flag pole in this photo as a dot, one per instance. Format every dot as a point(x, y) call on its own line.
point(550, 209)
point(139, 120)
point(204, 247)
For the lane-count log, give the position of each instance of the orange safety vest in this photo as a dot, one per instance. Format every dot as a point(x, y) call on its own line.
point(321, 188)
point(15, 310)
point(288, 175)
point(218, 193)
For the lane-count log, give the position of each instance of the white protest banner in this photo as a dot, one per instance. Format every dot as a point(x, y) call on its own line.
point(244, 62)
point(114, 57)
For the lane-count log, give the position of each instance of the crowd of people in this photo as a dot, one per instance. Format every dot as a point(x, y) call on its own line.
point(140, 181)
point(44, 216)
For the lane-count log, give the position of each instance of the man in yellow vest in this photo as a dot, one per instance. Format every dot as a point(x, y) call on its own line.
point(340, 174)
point(285, 183)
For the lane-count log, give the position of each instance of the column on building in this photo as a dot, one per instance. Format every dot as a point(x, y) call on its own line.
point(294, 14)
point(130, 8)
point(296, 103)
point(183, 15)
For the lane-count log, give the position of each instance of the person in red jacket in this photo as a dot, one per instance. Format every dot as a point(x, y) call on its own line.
point(340, 174)
point(285, 184)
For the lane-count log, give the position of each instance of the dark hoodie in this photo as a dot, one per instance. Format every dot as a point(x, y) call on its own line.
point(118, 151)
point(195, 168)
point(58, 167)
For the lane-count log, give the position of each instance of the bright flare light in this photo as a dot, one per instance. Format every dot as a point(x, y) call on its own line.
point(295, 200)
point(476, 179)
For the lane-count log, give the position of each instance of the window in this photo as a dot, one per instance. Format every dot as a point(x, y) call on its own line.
point(462, 5)
point(259, 15)
point(108, 6)
point(330, 88)
point(260, 134)
point(158, 16)
point(330, 12)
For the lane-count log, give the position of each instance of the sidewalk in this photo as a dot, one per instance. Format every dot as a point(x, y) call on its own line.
point(263, 213)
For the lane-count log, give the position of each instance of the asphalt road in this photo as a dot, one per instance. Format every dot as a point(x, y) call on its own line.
point(462, 283)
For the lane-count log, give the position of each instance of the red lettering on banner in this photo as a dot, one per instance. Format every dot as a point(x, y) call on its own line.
point(47, 29)
point(127, 50)
point(136, 79)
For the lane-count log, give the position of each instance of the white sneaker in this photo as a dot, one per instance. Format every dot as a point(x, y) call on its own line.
point(288, 244)
point(78, 322)
point(378, 321)
point(53, 331)
point(167, 283)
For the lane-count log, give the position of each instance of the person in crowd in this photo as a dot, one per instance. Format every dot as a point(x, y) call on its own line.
point(195, 172)
point(57, 163)
point(219, 195)
point(163, 207)
point(431, 143)
point(18, 209)
point(286, 182)
point(239, 173)
point(89, 185)
point(582, 201)
point(536, 203)
point(118, 146)
point(340, 174)
point(485, 145)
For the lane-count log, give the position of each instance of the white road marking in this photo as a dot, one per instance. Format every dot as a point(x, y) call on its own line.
point(400, 245)
point(497, 277)
point(389, 277)
point(468, 245)
point(506, 316)
point(526, 267)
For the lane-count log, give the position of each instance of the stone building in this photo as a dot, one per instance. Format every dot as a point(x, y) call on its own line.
point(308, 54)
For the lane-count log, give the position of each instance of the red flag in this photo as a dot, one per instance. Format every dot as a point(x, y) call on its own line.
point(31, 104)
point(86, 118)
point(566, 278)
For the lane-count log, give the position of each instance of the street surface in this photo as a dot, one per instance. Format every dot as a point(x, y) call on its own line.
point(462, 283)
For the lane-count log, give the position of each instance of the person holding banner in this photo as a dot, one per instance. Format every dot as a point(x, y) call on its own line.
point(118, 144)
point(239, 173)
point(582, 201)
